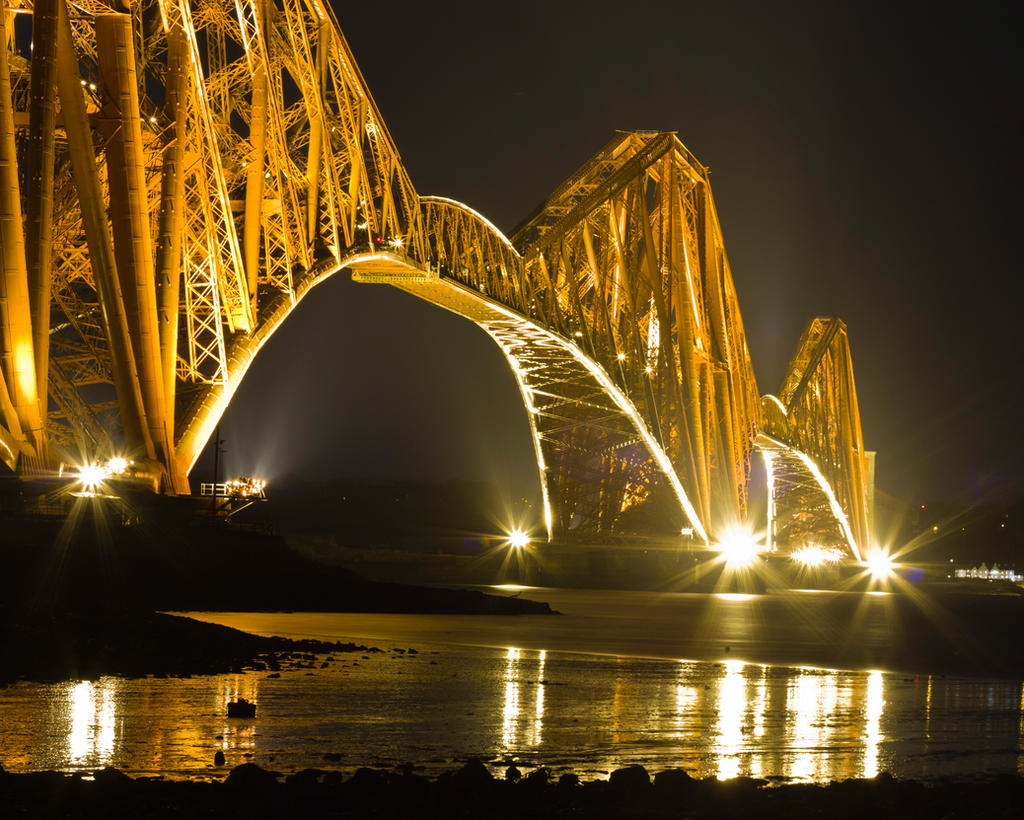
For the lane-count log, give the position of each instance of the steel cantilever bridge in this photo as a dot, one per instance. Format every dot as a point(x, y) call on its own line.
point(176, 176)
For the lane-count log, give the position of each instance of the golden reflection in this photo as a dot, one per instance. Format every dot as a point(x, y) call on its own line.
point(238, 735)
point(688, 699)
point(516, 722)
point(759, 707)
point(732, 704)
point(874, 704)
point(761, 702)
point(538, 714)
point(81, 720)
point(510, 712)
point(812, 702)
point(617, 698)
point(92, 707)
point(928, 710)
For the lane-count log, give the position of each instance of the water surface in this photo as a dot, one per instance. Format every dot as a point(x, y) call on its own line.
point(556, 691)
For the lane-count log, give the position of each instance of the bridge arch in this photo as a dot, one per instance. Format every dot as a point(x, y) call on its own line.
point(570, 401)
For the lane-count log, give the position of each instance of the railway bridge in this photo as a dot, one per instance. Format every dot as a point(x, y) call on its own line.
point(177, 175)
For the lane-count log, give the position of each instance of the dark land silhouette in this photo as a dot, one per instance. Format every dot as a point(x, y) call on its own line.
point(473, 791)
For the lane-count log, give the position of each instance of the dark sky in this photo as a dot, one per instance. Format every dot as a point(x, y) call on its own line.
point(865, 164)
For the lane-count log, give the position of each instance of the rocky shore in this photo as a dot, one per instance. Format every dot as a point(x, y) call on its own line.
point(67, 645)
point(473, 792)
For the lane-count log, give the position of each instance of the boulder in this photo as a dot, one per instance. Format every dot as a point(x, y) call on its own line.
point(305, 779)
point(473, 775)
point(629, 778)
point(241, 708)
point(673, 781)
point(366, 779)
point(250, 777)
point(110, 776)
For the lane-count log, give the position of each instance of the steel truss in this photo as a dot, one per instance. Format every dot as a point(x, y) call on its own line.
point(594, 461)
point(816, 412)
point(802, 507)
point(176, 175)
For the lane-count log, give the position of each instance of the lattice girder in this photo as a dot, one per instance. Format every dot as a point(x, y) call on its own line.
point(823, 419)
point(331, 181)
point(627, 259)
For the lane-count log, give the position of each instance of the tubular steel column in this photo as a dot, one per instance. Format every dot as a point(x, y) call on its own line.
point(254, 181)
point(16, 354)
point(11, 438)
point(39, 173)
point(129, 212)
point(315, 154)
point(171, 227)
point(101, 251)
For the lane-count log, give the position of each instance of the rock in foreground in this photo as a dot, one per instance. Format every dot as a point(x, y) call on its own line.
point(249, 791)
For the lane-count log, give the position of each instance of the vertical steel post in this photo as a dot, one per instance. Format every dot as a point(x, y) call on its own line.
point(17, 360)
point(171, 228)
point(316, 131)
point(129, 213)
point(97, 232)
point(254, 181)
point(39, 173)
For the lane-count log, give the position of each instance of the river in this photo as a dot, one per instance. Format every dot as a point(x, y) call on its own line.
point(701, 682)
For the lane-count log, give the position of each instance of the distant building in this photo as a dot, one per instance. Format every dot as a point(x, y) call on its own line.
point(983, 573)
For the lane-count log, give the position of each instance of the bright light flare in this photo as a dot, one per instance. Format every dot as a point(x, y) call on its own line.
point(117, 465)
point(738, 548)
point(90, 476)
point(880, 565)
point(517, 539)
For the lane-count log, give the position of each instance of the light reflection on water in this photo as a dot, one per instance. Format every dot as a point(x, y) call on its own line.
point(510, 713)
point(514, 715)
point(875, 704)
point(91, 709)
point(575, 712)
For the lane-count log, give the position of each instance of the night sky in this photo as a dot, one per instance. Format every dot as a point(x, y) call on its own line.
point(865, 164)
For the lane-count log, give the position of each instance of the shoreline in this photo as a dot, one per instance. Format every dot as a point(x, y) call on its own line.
point(64, 646)
point(472, 791)
point(958, 635)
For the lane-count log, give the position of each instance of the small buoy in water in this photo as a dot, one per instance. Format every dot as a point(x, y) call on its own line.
point(218, 759)
point(241, 708)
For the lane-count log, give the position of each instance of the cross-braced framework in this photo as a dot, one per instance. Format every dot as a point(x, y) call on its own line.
point(816, 413)
point(176, 175)
point(595, 460)
point(627, 259)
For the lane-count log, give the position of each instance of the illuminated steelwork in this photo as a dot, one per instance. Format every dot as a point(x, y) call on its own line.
point(817, 416)
point(213, 161)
